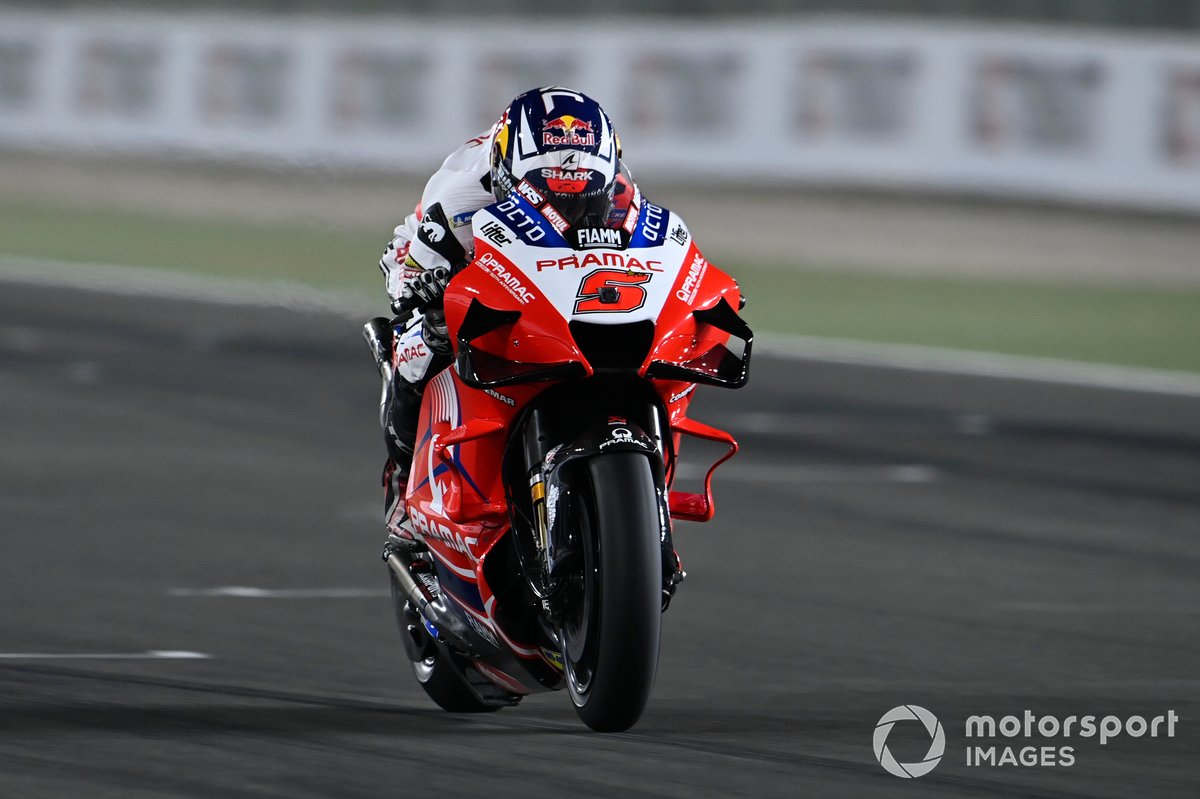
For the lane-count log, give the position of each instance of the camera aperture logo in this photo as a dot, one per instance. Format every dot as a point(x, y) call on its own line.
point(937, 746)
point(1029, 728)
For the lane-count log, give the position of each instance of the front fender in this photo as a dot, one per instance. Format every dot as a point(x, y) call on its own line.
point(561, 468)
point(616, 435)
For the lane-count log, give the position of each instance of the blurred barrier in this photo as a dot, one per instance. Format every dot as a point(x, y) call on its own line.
point(1026, 112)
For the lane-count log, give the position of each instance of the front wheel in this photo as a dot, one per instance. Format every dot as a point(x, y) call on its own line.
point(611, 634)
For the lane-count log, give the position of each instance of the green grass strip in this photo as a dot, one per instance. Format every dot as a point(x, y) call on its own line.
point(1152, 328)
point(309, 254)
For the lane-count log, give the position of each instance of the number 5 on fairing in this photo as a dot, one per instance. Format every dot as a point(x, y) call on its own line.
point(611, 291)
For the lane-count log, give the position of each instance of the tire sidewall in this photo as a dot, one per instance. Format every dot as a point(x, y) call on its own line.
point(622, 498)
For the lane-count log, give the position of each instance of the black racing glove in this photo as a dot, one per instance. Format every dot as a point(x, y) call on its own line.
point(424, 291)
point(434, 332)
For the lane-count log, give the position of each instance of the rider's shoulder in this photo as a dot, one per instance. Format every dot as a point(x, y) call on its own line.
point(460, 185)
point(472, 156)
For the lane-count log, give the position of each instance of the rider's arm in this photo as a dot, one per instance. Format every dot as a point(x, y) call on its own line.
point(395, 272)
point(429, 241)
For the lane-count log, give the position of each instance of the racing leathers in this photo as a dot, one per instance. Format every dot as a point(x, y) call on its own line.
point(433, 243)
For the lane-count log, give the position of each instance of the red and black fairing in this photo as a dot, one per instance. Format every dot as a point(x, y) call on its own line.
point(536, 381)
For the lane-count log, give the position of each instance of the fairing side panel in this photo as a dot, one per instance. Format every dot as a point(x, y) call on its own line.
point(456, 501)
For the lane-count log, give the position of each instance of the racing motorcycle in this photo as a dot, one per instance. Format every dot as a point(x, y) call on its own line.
point(540, 499)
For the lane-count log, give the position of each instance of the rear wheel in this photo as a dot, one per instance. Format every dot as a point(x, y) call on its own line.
point(440, 679)
point(440, 676)
point(611, 633)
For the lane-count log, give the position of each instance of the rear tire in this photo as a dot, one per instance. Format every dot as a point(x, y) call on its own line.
point(438, 676)
point(611, 637)
point(434, 669)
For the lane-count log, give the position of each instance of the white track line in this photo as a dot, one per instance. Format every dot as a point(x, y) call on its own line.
point(248, 592)
point(153, 654)
point(140, 281)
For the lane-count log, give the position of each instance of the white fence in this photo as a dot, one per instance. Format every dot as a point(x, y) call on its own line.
point(1026, 112)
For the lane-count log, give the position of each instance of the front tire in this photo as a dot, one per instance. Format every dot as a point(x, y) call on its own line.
point(611, 636)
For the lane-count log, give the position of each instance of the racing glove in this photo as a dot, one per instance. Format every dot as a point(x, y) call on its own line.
point(434, 332)
point(423, 291)
point(433, 257)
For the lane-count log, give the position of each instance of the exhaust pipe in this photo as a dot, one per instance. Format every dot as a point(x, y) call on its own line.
point(433, 610)
point(378, 334)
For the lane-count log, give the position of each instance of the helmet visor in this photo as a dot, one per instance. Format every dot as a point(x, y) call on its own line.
point(582, 210)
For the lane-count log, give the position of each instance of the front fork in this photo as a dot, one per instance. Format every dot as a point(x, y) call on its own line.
point(537, 451)
point(672, 566)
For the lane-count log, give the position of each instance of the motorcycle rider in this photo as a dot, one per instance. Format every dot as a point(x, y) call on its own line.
point(552, 142)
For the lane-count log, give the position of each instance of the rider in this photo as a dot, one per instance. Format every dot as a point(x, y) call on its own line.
point(563, 145)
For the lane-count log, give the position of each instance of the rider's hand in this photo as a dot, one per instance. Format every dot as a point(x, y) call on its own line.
point(434, 332)
point(426, 289)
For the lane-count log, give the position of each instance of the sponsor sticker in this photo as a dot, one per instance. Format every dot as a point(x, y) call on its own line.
point(635, 210)
point(406, 354)
point(509, 401)
point(432, 230)
point(592, 259)
point(495, 233)
point(691, 282)
point(433, 529)
point(479, 627)
point(656, 222)
point(621, 435)
point(555, 219)
point(568, 181)
point(677, 397)
point(504, 277)
point(530, 193)
point(554, 658)
point(568, 130)
point(400, 252)
point(589, 238)
point(513, 212)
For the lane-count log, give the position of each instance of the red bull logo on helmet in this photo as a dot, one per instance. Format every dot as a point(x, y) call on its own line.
point(573, 132)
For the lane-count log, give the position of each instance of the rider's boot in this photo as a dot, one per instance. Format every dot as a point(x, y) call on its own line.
point(400, 411)
point(408, 353)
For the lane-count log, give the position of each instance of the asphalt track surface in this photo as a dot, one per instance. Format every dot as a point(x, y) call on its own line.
point(887, 537)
